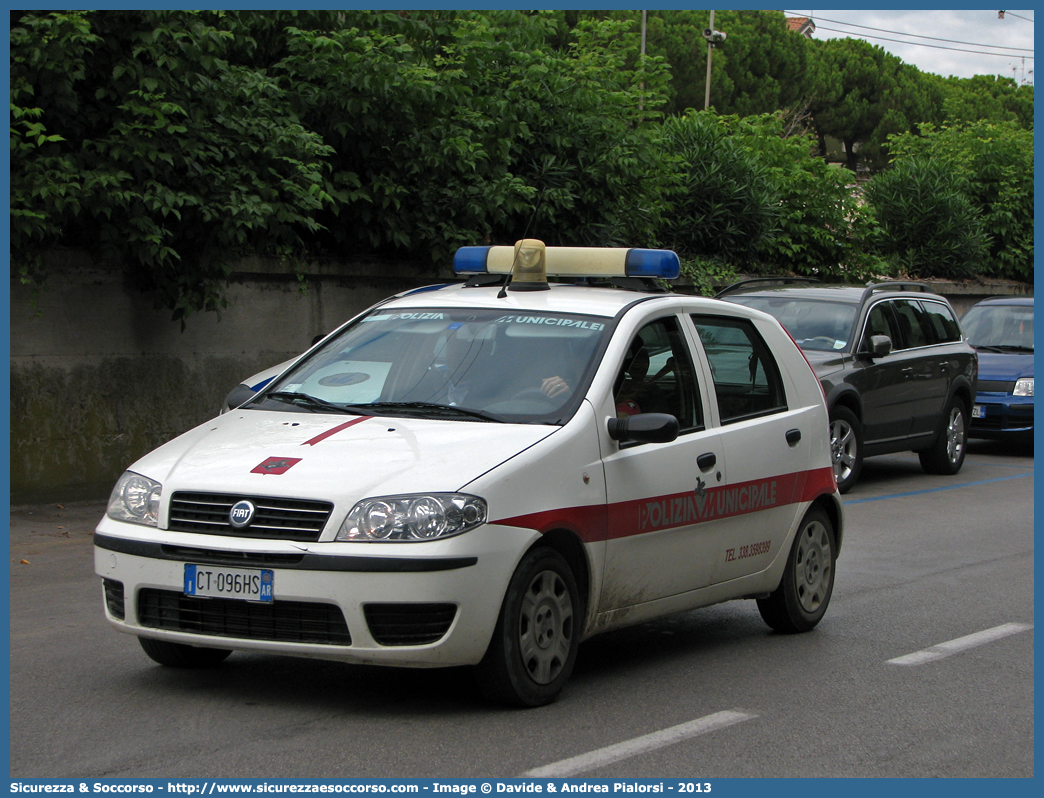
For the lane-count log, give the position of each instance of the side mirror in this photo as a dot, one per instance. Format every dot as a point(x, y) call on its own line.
point(237, 396)
point(879, 346)
point(644, 428)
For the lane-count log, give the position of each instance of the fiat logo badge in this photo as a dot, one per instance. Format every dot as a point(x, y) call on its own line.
point(241, 514)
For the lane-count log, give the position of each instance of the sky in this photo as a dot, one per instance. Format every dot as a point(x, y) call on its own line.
point(997, 46)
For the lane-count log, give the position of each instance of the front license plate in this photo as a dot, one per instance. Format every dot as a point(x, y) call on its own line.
point(215, 581)
point(978, 411)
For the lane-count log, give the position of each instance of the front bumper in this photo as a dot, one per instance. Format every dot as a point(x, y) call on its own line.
point(421, 604)
point(1002, 415)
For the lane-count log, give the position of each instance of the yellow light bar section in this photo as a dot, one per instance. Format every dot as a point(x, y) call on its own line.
point(573, 261)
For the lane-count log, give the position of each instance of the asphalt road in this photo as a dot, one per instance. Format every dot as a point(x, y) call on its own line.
point(927, 560)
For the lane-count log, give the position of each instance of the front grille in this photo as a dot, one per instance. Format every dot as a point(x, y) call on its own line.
point(995, 386)
point(282, 621)
point(408, 624)
point(114, 598)
point(254, 559)
point(275, 519)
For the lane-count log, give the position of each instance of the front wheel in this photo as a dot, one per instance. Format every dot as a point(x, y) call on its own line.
point(846, 447)
point(178, 655)
point(537, 635)
point(801, 599)
point(946, 456)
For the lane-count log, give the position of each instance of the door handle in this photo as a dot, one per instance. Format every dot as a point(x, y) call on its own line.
point(793, 437)
point(706, 461)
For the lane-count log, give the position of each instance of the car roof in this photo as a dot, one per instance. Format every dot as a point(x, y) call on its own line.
point(851, 294)
point(1007, 300)
point(559, 298)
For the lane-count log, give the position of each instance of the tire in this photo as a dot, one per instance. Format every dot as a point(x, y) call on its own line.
point(537, 635)
point(846, 447)
point(803, 595)
point(178, 655)
point(946, 456)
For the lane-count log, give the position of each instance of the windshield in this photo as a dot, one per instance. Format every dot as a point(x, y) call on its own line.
point(478, 365)
point(814, 324)
point(1000, 326)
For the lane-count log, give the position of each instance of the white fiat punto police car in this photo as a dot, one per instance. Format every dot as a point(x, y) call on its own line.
point(486, 473)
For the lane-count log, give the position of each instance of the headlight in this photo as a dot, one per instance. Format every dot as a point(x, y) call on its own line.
point(413, 518)
point(1024, 387)
point(136, 499)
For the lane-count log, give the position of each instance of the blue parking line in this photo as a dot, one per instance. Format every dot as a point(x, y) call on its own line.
point(936, 490)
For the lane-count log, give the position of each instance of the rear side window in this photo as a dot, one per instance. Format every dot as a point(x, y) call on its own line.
point(914, 323)
point(746, 377)
point(943, 322)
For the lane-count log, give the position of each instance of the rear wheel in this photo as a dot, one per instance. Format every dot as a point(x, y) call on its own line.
point(537, 635)
point(801, 599)
point(946, 456)
point(178, 655)
point(846, 447)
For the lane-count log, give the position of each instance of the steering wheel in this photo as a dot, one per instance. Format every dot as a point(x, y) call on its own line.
point(529, 394)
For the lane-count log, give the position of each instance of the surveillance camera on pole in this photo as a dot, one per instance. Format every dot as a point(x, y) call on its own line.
point(714, 36)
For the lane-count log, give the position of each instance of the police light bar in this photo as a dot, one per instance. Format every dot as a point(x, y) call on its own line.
point(572, 261)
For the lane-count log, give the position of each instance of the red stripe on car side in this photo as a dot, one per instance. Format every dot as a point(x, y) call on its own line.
point(640, 516)
point(322, 436)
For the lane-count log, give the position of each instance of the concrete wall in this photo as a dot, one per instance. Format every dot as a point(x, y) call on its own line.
point(99, 377)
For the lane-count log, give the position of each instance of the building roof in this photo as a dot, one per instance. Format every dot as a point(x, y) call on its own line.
point(803, 25)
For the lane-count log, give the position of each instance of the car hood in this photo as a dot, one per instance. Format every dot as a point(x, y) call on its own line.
point(333, 457)
point(1004, 366)
point(825, 363)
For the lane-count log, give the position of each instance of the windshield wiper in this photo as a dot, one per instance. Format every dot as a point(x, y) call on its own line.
point(307, 400)
point(427, 408)
point(1005, 348)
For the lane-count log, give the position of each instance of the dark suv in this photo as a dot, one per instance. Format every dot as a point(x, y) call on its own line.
point(896, 370)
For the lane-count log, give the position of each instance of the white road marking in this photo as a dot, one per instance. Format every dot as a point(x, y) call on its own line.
point(960, 644)
point(639, 745)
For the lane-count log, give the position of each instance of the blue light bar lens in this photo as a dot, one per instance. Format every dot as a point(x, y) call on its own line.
point(470, 260)
point(661, 263)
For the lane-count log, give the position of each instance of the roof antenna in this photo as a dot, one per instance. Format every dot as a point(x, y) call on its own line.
point(503, 289)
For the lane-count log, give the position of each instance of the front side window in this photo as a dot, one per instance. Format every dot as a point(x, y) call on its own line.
point(657, 376)
point(881, 321)
point(746, 378)
point(479, 364)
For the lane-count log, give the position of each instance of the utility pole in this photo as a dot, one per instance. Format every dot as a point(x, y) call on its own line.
point(710, 49)
point(641, 103)
point(713, 37)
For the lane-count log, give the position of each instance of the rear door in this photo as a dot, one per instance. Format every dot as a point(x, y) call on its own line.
point(766, 443)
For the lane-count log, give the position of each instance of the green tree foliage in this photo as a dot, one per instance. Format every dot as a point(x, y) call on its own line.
point(929, 227)
point(171, 141)
point(496, 134)
point(994, 161)
point(762, 67)
point(728, 206)
point(985, 98)
point(879, 96)
point(165, 149)
point(818, 221)
point(756, 200)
